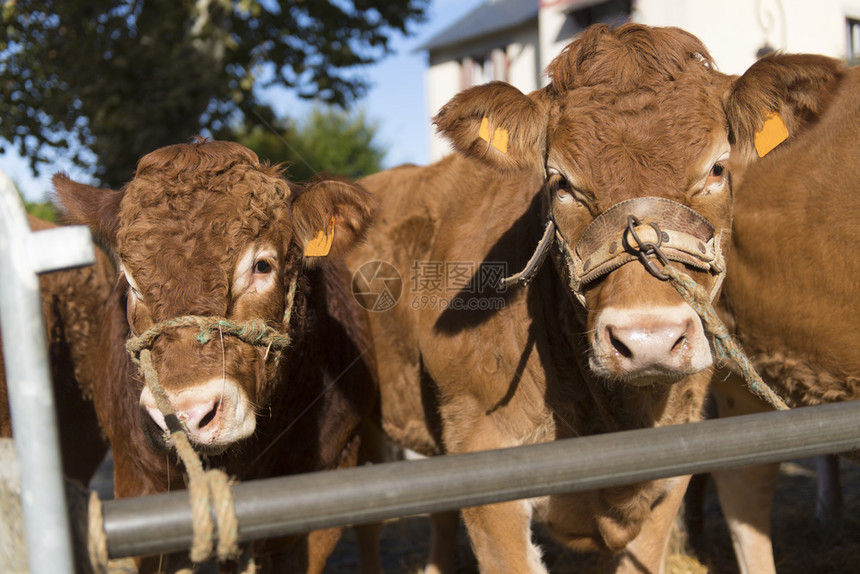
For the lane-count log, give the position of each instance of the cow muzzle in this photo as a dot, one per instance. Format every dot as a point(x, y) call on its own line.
point(215, 414)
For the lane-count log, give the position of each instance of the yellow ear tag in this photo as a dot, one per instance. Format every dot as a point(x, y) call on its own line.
point(500, 136)
point(771, 134)
point(484, 132)
point(500, 140)
point(320, 245)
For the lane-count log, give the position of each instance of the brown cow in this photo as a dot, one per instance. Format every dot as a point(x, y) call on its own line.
point(791, 287)
point(72, 308)
point(205, 230)
point(628, 144)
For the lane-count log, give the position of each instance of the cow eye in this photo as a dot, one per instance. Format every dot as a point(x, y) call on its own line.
point(262, 266)
point(565, 192)
point(716, 177)
point(562, 188)
point(559, 186)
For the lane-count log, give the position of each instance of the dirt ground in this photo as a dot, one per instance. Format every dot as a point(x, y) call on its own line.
point(801, 546)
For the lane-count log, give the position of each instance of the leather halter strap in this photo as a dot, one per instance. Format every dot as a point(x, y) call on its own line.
point(607, 244)
point(611, 240)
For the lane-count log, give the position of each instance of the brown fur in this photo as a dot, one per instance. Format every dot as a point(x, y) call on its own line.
point(629, 113)
point(793, 274)
point(179, 228)
point(72, 307)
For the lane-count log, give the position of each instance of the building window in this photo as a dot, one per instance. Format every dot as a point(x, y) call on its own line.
point(853, 40)
point(484, 68)
point(612, 12)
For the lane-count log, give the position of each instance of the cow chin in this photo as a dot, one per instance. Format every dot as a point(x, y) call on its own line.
point(215, 415)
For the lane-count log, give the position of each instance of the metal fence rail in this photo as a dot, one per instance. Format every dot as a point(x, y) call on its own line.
point(23, 255)
point(273, 507)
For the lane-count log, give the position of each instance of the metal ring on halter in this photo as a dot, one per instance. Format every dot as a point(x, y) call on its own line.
point(646, 249)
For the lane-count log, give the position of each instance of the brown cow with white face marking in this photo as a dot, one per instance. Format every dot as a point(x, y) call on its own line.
point(212, 243)
point(618, 166)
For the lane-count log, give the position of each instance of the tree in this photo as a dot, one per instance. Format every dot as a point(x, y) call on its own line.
point(41, 209)
point(106, 81)
point(328, 140)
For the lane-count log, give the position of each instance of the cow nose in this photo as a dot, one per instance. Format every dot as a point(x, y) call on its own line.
point(193, 415)
point(663, 341)
point(644, 345)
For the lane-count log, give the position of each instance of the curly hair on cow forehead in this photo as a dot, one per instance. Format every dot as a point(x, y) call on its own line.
point(628, 57)
point(211, 193)
point(190, 213)
point(206, 175)
point(199, 155)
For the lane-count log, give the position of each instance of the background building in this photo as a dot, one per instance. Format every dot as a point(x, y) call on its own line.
point(514, 40)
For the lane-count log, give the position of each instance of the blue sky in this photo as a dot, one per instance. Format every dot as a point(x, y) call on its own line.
point(395, 101)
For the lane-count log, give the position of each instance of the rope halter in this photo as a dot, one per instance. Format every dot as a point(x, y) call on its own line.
point(254, 332)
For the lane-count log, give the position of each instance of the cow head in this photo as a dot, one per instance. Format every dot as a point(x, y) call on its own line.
point(212, 243)
point(633, 138)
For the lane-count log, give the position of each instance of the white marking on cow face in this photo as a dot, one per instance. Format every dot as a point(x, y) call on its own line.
point(137, 314)
point(133, 287)
point(256, 270)
point(214, 414)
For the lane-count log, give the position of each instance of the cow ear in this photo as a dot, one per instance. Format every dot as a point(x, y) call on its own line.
point(97, 208)
point(330, 216)
point(777, 98)
point(498, 125)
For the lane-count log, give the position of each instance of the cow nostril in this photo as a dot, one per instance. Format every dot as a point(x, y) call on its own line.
point(679, 344)
point(210, 416)
point(620, 347)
